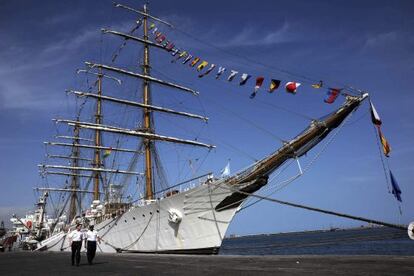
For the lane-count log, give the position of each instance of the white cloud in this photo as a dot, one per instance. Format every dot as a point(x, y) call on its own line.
point(247, 36)
point(387, 40)
point(72, 43)
point(357, 179)
point(23, 62)
point(19, 59)
point(60, 18)
point(250, 36)
point(380, 39)
point(53, 54)
point(14, 95)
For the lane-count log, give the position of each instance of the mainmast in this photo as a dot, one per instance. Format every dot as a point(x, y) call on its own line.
point(98, 120)
point(147, 113)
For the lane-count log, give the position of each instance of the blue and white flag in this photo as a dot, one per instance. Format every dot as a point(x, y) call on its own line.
point(226, 171)
point(220, 71)
point(244, 78)
point(233, 73)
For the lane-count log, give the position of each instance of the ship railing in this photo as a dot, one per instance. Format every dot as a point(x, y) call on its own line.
point(184, 186)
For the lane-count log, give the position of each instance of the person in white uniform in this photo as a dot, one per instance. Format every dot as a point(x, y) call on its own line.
point(75, 238)
point(90, 243)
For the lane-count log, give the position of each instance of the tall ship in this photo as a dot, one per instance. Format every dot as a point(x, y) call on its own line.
point(110, 163)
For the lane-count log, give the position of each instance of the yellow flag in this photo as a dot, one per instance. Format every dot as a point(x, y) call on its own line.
point(202, 65)
point(386, 148)
point(183, 54)
point(318, 85)
point(385, 145)
point(107, 153)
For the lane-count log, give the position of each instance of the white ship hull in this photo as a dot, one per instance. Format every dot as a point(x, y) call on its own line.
point(148, 228)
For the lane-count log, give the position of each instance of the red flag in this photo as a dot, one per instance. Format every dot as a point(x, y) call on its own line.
point(292, 86)
point(160, 38)
point(332, 94)
point(259, 82)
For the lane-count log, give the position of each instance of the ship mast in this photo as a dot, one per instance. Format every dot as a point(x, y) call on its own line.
point(74, 179)
point(147, 113)
point(98, 120)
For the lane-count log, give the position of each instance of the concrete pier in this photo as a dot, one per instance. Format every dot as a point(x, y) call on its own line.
point(51, 263)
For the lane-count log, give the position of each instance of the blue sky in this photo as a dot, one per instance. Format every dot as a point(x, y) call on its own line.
point(366, 44)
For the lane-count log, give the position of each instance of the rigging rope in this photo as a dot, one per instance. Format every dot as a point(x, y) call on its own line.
point(249, 121)
point(159, 168)
point(286, 110)
point(308, 166)
point(232, 53)
point(242, 152)
point(251, 61)
point(384, 165)
point(118, 51)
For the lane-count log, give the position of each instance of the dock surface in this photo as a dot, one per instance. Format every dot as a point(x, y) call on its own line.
point(53, 263)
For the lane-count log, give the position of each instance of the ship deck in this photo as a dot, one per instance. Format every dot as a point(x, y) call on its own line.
point(53, 263)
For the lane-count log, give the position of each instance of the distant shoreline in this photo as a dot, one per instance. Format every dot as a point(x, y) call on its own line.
point(333, 229)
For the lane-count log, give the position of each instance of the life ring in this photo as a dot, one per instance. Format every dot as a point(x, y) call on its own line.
point(29, 224)
point(411, 230)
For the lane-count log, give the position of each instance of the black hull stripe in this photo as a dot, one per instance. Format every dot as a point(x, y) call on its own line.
point(196, 251)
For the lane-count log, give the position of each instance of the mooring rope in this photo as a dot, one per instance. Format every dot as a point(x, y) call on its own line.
point(391, 225)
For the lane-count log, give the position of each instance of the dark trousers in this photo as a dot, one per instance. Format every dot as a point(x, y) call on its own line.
point(91, 247)
point(76, 248)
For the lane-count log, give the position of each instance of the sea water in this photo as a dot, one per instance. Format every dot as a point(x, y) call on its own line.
point(361, 241)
